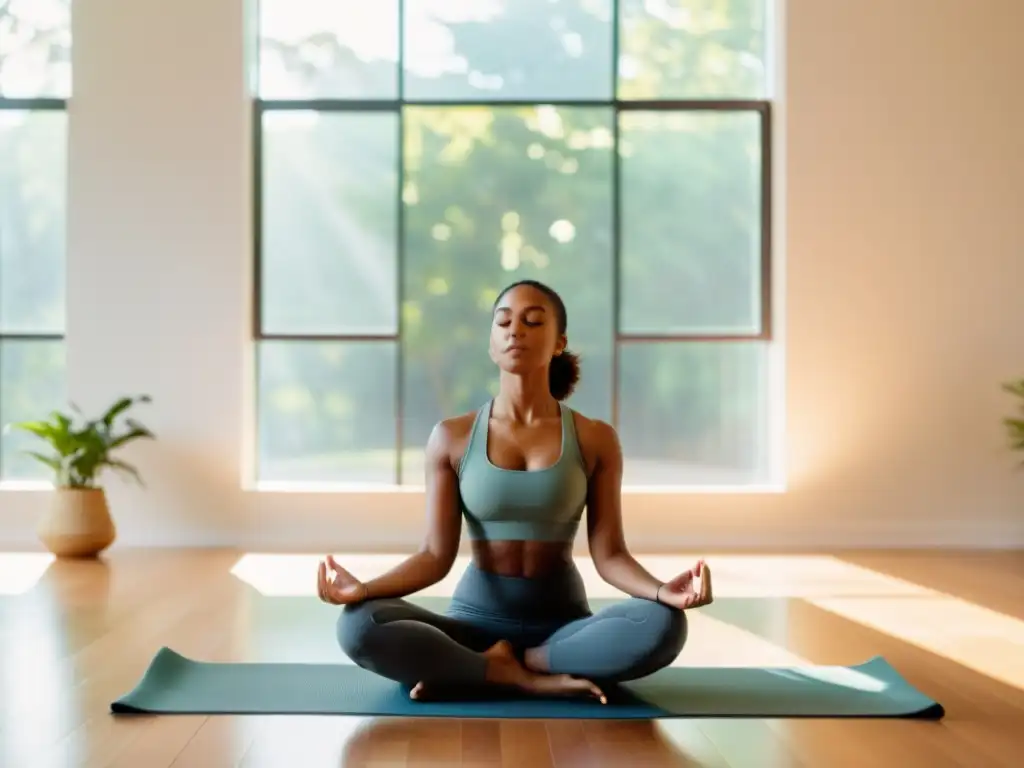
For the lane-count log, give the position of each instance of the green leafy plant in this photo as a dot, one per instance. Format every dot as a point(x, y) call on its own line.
point(80, 453)
point(1015, 425)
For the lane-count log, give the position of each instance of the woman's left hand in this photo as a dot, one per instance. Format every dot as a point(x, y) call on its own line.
point(681, 593)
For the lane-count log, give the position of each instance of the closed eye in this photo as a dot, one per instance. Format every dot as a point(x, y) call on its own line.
point(531, 323)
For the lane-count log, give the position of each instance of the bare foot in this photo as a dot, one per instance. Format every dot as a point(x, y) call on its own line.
point(419, 692)
point(504, 669)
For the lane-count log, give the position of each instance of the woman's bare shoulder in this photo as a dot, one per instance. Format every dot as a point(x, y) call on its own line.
point(598, 439)
point(449, 438)
point(456, 427)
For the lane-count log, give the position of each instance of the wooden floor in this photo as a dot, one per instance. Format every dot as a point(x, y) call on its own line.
point(75, 635)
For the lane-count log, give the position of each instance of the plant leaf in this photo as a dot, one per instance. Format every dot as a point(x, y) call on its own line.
point(56, 433)
point(82, 452)
point(125, 468)
point(38, 428)
point(134, 434)
point(116, 410)
point(53, 462)
point(1015, 387)
point(121, 406)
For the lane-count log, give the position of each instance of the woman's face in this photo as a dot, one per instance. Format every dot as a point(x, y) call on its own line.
point(524, 331)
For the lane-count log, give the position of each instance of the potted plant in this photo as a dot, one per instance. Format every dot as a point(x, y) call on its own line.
point(78, 522)
point(1015, 426)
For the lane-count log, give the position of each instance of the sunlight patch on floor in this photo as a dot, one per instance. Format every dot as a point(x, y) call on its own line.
point(973, 636)
point(843, 677)
point(32, 649)
point(712, 642)
point(20, 571)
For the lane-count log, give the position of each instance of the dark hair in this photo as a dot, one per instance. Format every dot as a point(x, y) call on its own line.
point(564, 372)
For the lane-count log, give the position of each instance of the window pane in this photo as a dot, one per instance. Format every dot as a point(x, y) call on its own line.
point(32, 221)
point(692, 49)
point(693, 413)
point(328, 49)
point(35, 48)
point(31, 386)
point(691, 222)
point(330, 232)
point(327, 412)
point(493, 196)
point(508, 49)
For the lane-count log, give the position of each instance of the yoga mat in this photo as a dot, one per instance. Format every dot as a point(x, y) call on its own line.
point(174, 684)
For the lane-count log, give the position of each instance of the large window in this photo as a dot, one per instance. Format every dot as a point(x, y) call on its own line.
point(415, 156)
point(35, 81)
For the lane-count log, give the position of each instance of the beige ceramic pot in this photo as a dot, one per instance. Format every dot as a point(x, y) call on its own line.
point(77, 523)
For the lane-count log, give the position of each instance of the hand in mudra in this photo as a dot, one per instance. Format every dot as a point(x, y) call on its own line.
point(338, 587)
point(681, 591)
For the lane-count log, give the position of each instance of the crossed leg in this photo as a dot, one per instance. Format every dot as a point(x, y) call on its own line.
point(410, 644)
point(625, 641)
point(424, 650)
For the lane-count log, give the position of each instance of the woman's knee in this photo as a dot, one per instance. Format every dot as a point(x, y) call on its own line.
point(658, 639)
point(355, 627)
point(668, 629)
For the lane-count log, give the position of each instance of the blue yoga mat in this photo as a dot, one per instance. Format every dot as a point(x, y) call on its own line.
point(174, 684)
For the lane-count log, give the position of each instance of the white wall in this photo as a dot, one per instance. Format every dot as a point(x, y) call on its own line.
point(902, 166)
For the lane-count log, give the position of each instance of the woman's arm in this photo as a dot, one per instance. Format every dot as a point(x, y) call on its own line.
point(608, 548)
point(444, 525)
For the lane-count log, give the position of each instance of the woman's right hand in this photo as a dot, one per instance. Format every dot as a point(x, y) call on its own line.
point(341, 589)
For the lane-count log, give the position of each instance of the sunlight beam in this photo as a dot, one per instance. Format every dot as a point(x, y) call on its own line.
point(20, 571)
point(973, 636)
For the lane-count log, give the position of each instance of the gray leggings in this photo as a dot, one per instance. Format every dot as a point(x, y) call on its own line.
point(409, 644)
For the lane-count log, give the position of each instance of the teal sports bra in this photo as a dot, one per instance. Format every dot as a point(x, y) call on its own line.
point(522, 505)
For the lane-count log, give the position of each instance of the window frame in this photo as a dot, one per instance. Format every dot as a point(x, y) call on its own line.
point(29, 104)
point(762, 107)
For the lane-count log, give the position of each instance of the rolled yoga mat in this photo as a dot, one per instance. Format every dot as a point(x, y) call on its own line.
point(174, 684)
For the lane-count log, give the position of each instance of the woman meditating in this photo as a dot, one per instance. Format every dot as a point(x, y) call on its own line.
point(520, 471)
